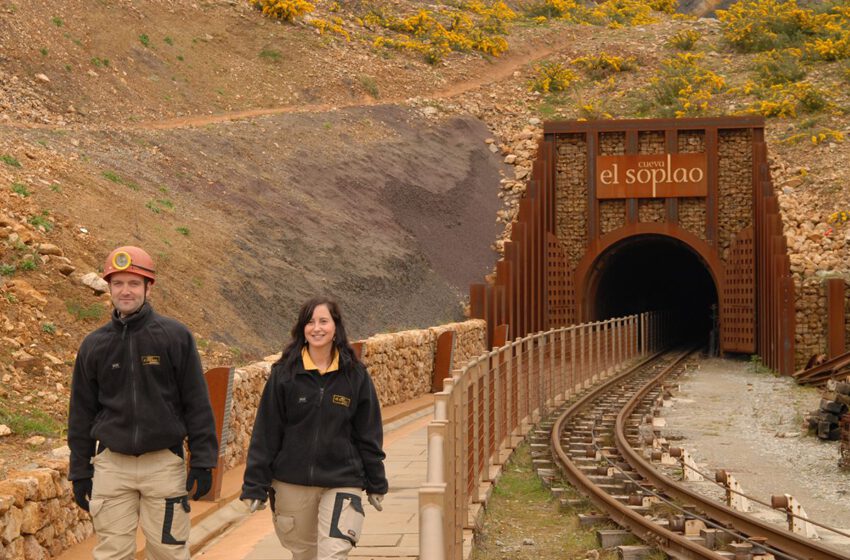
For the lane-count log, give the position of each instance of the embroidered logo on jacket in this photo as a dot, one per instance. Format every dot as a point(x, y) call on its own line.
point(342, 401)
point(116, 365)
point(150, 360)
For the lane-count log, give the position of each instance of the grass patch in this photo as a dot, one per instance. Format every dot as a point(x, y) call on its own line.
point(520, 508)
point(21, 189)
point(145, 40)
point(41, 222)
point(370, 85)
point(118, 180)
point(270, 54)
point(7, 269)
point(27, 422)
point(182, 230)
point(82, 312)
point(11, 161)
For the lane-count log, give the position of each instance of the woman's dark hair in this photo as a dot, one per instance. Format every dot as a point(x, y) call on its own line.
point(292, 351)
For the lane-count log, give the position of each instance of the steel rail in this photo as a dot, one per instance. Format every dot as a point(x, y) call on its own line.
point(786, 541)
point(672, 543)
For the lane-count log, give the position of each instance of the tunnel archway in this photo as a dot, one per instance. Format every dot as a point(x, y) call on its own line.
point(643, 268)
point(653, 272)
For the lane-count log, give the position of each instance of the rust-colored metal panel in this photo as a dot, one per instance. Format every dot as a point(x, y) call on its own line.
point(500, 336)
point(737, 332)
point(572, 127)
point(220, 387)
point(443, 360)
point(835, 298)
point(358, 349)
point(476, 300)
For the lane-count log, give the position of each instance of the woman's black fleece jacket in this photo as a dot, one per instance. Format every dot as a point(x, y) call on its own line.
point(316, 431)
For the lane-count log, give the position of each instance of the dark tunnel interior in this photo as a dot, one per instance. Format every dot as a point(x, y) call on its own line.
point(652, 272)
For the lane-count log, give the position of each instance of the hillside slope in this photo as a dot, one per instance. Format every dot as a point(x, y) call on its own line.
point(261, 162)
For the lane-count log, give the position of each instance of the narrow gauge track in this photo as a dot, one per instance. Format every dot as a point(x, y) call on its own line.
point(603, 426)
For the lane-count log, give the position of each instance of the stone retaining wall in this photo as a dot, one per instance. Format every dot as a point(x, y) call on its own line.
point(38, 517)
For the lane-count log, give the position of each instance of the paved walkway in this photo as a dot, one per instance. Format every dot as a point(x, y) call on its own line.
point(223, 530)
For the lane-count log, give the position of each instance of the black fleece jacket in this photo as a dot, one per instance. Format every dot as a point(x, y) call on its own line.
point(317, 432)
point(138, 387)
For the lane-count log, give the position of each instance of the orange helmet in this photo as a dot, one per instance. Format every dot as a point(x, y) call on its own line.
point(129, 259)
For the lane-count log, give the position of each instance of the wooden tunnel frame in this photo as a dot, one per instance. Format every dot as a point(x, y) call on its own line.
point(536, 288)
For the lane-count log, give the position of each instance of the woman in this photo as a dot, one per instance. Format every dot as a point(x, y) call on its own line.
point(317, 440)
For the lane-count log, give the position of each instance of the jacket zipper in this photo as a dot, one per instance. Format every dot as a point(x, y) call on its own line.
point(134, 399)
point(316, 435)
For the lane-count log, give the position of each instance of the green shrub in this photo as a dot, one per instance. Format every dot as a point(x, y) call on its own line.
point(551, 77)
point(286, 10)
point(7, 269)
point(761, 25)
point(145, 40)
point(603, 64)
point(182, 230)
point(685, 40)
point(48, 328)
point(779, 67)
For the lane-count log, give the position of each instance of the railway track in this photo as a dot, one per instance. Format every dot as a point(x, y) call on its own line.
point(597, 445)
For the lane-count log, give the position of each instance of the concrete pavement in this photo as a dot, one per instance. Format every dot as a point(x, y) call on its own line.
point(225, 530)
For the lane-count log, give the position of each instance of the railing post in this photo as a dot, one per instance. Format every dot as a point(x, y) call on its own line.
point(499, 402)
point(433, 541)
point(522, 389)
point(562, 368)
point(488, 428)
point(573, 361)
point(542, 376)
point(511, 398)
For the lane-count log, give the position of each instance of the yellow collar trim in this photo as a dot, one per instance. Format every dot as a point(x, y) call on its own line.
point(309, 364)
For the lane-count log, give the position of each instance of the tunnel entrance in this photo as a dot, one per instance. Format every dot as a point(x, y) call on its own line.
point(627, 216)
point(654, 272)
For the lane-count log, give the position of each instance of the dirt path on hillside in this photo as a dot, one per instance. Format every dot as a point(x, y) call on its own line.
point(502, 69)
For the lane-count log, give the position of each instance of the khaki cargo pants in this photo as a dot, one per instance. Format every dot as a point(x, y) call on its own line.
point(150, 488)
point(316, 523)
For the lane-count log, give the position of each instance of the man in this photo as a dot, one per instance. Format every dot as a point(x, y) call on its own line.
point(137, 392)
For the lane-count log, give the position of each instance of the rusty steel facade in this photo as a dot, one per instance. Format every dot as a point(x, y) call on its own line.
point(728, 218)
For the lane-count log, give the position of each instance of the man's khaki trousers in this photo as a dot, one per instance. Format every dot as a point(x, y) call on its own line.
point(150, 488)
point(316, 523)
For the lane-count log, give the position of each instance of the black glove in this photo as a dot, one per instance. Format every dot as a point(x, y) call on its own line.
point(82, 492)
point(204, 479)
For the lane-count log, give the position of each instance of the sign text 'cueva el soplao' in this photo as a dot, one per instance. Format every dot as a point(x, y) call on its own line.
point(651, 176)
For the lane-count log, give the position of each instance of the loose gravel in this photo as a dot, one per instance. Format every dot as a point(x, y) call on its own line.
point(734, 415)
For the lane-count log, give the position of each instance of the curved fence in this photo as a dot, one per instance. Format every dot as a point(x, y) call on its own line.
point(488, 406)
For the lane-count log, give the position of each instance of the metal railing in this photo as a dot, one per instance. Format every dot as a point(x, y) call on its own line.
point(488, 406)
